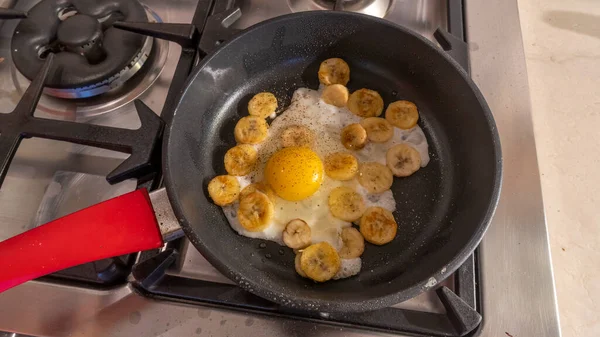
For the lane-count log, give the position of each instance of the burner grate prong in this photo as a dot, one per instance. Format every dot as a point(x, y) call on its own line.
point(10, 132)
point(181, 33)
point(8, 14)
point(31, 97)
point(140, 143)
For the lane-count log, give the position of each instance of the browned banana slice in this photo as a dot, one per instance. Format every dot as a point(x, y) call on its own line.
point(240, 159)
point(402, 114)
point(335, 94)
point(378, 129)
point(378, 226)
point(403, 160)
point(297, 135)
point(346, 204)
point(354, 243)
point(262, 105)
point(334, 71)
point(341, 166)
point(297, 234)
point(354, 137)
point(224, 190)
point(251, 130)
point(320, 262)
point(365, 103)
point(261, 187)
point(255, 211)
point(375, 177)
point(298, 265)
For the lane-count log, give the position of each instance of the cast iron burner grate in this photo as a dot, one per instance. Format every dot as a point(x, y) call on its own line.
point(91, 56)
point(208, 29)
point(461, 317)
point(140, 143)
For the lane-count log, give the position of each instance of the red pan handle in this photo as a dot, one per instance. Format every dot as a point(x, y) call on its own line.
point(118, 226)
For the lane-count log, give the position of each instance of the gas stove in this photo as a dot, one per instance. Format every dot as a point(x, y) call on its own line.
point(505, 289)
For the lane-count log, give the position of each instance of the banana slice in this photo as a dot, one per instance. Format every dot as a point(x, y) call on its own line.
point(296, 234)
point(346, 204)
point(320, 261)
point(402, 114)
point(250, 130)
point(240, 159)
point(365, 103)
point(378, 129)
point(298, 265)
point(341, 166)
point(375, 177)
point(335, 94)
point(297, 135)
point(224, 190)
point(260, 187)
point(262, 105)
point(354, 243)
point(255, 211)
point(403, 160)
point(378, 226)
point(334, 71)
point(354, 137)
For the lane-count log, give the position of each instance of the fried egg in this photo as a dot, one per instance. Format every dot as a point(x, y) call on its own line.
point(296, 174)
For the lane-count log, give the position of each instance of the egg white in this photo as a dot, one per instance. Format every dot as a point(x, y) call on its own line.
point(327, 122)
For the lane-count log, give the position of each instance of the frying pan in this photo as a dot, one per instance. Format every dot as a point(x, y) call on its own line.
point(442, 211)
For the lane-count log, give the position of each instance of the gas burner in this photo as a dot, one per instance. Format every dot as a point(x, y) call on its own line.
point(92, 57)
point(378, 8)
point(119, 91)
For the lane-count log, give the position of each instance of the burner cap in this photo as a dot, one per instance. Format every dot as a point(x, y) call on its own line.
point(88, 50)
point(376, 8)
point(82, 34)
point(79, 29)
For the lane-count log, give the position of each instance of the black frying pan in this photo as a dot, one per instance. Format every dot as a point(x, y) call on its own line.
point(443, 209)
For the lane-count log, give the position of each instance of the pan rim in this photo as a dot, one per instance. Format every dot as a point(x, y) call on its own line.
point(342, 305)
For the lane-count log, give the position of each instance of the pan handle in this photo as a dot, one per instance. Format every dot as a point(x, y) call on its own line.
point(453, 46)
point(452, 40)
point(118, 226)
point(170, 228)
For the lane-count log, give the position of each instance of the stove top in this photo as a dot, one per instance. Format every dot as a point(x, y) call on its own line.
point(174, 290)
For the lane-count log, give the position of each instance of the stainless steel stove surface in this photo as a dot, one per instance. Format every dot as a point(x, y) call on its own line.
point(423, 16)
point(50, 178)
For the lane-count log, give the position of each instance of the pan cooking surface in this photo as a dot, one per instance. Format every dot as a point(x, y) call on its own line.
point(442, 209)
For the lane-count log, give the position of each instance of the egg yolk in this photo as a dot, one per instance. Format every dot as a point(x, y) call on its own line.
point(294, 173)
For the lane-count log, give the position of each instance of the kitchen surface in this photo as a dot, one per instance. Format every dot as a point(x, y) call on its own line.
point(562, 48)
point(505, 289)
